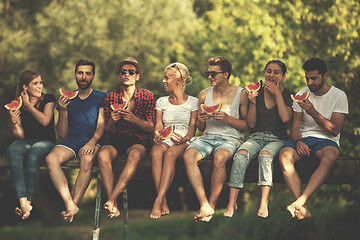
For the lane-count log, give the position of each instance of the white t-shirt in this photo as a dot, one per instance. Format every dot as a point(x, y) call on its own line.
point(334, 100)
point(177, 115)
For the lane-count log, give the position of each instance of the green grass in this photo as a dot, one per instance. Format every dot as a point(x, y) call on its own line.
point(334, 218)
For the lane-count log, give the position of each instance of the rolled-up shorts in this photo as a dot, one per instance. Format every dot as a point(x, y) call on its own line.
point(209, 144)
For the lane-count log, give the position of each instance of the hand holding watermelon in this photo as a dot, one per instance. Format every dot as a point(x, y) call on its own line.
point(66, 98)
point(165, 133)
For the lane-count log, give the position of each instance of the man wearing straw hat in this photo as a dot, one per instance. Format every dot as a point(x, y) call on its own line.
point(128, 130)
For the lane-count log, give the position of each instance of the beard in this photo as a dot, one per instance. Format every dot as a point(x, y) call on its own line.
point(84, 84)
point(317, 87)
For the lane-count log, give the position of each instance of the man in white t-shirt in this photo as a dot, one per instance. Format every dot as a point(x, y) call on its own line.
point(315, 131)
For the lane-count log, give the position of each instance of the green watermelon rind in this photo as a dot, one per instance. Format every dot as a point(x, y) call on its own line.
point(16, 101)
point(117, 106)
point(166, 133)
point(300, 98)
point(211, 109)
point(249, 89)
point(68, 94)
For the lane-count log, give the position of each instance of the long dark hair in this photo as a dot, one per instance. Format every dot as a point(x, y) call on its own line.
point(25, 79)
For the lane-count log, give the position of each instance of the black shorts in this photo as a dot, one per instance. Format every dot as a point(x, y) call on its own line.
point(123, 143)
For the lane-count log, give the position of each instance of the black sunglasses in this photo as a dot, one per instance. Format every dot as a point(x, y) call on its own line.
point(131, 71)
point(175, 66)
point(212, 74)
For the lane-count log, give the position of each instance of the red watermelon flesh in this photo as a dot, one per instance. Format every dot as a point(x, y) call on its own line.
point(15, 104)
point(166, 132)
point(116, 106)
point(299, 98)
point(211, 109)
point(70, 95)
point(254, 87)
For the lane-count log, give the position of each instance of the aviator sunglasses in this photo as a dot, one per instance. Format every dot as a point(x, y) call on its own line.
point(212, 74)
point(131, 71)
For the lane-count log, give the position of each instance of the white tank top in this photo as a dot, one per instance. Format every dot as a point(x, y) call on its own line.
point(224, 130)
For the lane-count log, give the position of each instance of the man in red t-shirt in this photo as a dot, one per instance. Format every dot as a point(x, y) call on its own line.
point(128, 130)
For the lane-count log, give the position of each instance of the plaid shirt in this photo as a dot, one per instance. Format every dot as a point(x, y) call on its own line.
point(144, 108)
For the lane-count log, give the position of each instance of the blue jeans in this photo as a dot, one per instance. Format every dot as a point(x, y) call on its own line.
point(32, 152)
point(257, 143)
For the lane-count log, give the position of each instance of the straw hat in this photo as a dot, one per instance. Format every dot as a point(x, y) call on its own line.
point(129, 60)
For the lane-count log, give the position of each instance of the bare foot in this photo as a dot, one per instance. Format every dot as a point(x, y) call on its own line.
point(71, 210)
point(291, 209)
point(303, 212)
point(26, 208)
point(165, 208)
point(205, 211)
point(112, 208)
point(156, 211)
point(230, 210)
point(206, 219)
point(18, 211)
point(263, 211)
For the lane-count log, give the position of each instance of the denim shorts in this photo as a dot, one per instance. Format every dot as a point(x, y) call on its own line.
point(315, 144)
point(208, 144)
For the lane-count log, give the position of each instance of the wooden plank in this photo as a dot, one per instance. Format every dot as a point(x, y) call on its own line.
point(345, 171)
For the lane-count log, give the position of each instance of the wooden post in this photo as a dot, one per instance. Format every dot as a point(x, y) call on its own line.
point(126, 214)
point(96, 232)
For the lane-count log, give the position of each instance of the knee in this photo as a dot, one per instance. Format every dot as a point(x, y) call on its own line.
point(169, 155)
point(328, 160)
point(134, 157)
point(189, 158)
point(220, 161)
point(87, 162)
point(265, 157)
point(52, 160)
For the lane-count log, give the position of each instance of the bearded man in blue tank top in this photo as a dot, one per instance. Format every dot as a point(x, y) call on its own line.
point(223, 132)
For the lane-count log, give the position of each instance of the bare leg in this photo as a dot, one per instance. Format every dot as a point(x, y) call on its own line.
point(218, 177)
point(327, 157)
point(56, 157)
point(135, 153)
point(157, 155)
point(191, 158)
point(288, 157)
point(105, 157)
point(232, 206)
point(263, 209)
point(83, 179)
point(167, 176)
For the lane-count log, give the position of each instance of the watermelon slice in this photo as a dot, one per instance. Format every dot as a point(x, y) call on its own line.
point(15, 104)
point(211, 109)
point(166, 132)
point(254, 87)
point(70, 95)
point(116, 106)
point(300, 98)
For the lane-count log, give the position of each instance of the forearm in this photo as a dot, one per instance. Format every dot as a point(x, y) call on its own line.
point(41, 117)
point(201, 125)
point(144, 125)
point(251, 116)
point(284, 111)
point(239, 124)
point(17, 130)
point(325, 124)
point(62, 124)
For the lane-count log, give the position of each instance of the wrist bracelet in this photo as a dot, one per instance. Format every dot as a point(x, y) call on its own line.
point(13, 122)
point(298, 140)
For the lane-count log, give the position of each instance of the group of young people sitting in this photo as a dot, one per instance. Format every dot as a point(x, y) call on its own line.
point(97, 129)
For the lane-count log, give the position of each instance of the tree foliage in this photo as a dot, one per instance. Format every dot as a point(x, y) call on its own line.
point(51, 35)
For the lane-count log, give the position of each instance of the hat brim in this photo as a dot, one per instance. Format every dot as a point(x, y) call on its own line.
point(119, 64)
